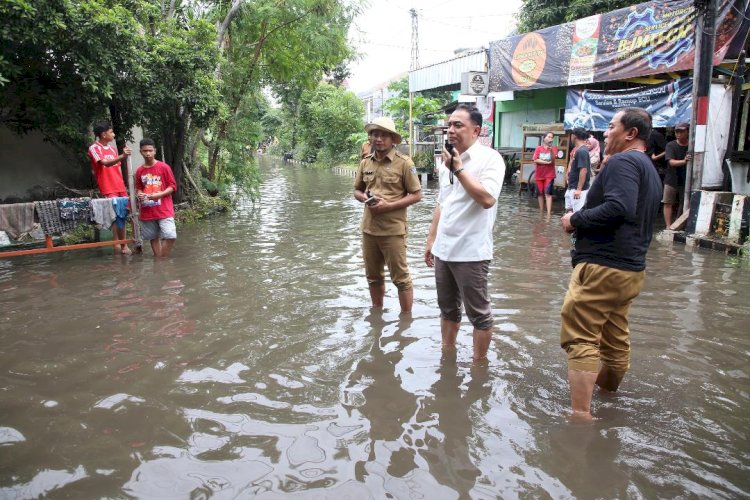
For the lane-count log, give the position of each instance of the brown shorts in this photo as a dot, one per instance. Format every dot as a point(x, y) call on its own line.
point(595, 317)
point(672, 195)
point(466, 282)
point(379, 251)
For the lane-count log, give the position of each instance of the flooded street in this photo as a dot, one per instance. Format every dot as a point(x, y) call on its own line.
point(249, 365)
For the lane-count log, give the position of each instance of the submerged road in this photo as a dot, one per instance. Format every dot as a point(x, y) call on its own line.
point(249, 365)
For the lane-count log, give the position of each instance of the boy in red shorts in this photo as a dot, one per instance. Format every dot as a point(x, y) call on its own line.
point(154, 185)
point(106, 167)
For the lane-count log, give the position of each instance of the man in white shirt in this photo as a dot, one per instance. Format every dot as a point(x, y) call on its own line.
point(459, 244)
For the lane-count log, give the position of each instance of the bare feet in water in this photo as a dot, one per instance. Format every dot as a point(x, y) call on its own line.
point(124, 250)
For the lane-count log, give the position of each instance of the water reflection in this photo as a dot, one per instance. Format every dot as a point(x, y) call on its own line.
point(376, 392)
point(249, 365)
point(448, 446)
point(586, 460)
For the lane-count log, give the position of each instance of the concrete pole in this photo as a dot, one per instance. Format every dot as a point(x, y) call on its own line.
point(705, 35)
point(411, 126)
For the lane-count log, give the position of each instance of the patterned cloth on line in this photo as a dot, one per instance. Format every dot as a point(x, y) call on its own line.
point(16, 219)
point(78, 209)
point(49, 217)
point(103, 212)
point(121, 210)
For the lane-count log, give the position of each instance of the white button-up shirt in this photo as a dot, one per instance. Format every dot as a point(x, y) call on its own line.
point(464, 232)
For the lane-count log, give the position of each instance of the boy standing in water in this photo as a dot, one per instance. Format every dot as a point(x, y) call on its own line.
point(154, 184)
point(106, 167)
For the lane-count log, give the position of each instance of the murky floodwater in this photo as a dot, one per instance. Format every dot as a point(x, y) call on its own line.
point(250, 365)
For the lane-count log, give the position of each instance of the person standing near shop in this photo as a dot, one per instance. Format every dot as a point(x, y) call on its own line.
point(579, 172)
point(544, 174)
point(459, 244)
point(677, 157)
point(614, 231)
point(387, 183)
point(656, 147)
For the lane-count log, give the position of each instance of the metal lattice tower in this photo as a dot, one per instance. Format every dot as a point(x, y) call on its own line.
point(414, 40)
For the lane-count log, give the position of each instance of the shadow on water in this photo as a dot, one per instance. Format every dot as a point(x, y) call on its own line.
point(250, 365)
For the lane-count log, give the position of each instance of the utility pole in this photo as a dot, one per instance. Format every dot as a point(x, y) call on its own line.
point(414, 66)
point(705, 36)
point(414, 40)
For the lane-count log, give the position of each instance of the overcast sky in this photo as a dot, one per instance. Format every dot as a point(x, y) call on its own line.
point(383, 34)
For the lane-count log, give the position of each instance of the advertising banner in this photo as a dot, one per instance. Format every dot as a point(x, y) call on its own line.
point(644, 39)
point(669, 104)
point(486, 107)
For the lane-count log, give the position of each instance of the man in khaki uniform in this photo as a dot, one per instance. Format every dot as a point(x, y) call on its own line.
point(387, 182)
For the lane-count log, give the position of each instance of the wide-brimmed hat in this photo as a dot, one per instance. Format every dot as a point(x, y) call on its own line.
point(384, 123)
point(682, 126)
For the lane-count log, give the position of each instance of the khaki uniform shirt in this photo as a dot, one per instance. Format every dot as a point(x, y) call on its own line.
point(365, 150)
point(391, 179)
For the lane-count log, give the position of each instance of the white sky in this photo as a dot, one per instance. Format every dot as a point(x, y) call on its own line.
point(383, 34)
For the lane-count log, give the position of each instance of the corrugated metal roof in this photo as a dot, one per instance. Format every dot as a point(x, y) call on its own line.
point(447, 72)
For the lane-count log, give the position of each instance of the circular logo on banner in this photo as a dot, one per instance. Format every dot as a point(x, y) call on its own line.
point(528, 60)
point(478, 84)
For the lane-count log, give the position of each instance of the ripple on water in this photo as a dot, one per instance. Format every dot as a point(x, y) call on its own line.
point(250, 364)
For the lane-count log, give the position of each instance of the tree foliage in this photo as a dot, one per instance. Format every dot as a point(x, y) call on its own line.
point(67, 64)
point(57, 68)
point(190, 73)
point(290, 44)
point(329, 119)
point(539, 14)
point(425, 106)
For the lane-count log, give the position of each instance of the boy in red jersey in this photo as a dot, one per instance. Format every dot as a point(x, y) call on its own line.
point(106, 168)
point(154, 185)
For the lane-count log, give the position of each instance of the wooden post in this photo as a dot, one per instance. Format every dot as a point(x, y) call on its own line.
point(135, 213)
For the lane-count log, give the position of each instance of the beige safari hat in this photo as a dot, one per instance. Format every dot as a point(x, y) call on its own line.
point(384, 123)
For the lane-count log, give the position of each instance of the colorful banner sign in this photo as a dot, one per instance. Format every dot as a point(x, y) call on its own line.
point(486, 107)
point(669, 104)
point(645, 39)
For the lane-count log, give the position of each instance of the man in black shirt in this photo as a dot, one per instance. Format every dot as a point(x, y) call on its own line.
point(613, 232)
point(677, 158)
point(655, 147)
point(579, 172)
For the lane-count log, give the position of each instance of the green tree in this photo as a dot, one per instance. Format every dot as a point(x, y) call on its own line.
point(274, 43)
point(329, 119)
point(66, 64)
point(539, 14)
point(180, 91)
point(58, 72)
point(425, 106)
point(190, 73)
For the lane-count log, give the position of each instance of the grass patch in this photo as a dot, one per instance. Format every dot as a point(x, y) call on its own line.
point(202, 207)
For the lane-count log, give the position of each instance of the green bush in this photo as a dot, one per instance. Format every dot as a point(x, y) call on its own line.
point(424, 159)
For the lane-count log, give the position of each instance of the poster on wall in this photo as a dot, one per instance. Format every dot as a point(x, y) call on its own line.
point(669, 104)
point(486, 106)
point(644, 39)
point(583, 50)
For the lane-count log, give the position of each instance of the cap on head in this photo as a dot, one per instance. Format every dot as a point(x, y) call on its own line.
point(386, 124)
point(682, 126)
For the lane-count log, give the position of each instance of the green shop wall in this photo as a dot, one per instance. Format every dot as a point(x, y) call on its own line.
point(541, 106)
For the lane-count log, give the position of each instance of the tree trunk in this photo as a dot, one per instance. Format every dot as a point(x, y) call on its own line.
point(120, 134)
point(215, 149)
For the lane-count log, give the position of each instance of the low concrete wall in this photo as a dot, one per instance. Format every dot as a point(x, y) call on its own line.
point(27, 161)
